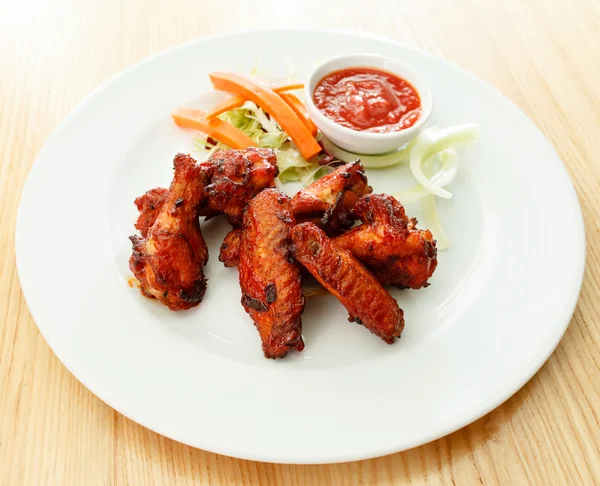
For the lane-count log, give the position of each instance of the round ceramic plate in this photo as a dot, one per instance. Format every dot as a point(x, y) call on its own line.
point(498, 304)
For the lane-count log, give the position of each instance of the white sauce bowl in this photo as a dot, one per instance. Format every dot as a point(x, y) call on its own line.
point(362, 142)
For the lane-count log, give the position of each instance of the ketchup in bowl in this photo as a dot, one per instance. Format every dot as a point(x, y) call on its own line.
point(368, 100)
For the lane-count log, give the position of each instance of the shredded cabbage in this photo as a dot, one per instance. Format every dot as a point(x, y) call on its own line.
point(317, 173)
point(255, 123)
point(207, 146)
point(266, 132)
point(292, 167)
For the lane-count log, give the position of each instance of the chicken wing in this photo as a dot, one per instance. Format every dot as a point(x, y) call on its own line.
point(389, 243)
point(168, 261)
point(367, 302)
point(237, 176)
point(229, 252)
point(329, 202)
point(269, 276)
point(149, 205)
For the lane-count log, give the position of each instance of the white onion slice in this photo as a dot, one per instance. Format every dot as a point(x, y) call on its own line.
point(448, 161)
point(431, 141)
point(433, 222)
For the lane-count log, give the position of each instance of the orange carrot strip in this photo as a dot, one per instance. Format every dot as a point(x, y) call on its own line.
point(300, 110)
point(229, 104)
point(271, 102)
point(288, 87)
point(237, 101)
point(216, 128)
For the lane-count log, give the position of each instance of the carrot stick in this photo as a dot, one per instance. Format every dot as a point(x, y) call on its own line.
point(229, 104)
point(300, 110)
point(282, 88)
point(237, 101)
point(216, 128)
point(271, 102)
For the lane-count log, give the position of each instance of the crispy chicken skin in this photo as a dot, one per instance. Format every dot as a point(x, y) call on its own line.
point(229, 252)
point(168, 261)
point(230, 256)
point(232, 179)
point(367, 302)
point(236, 177)
point(269, 276)
point(329, 202)
point(389, 244)
point(149, 205)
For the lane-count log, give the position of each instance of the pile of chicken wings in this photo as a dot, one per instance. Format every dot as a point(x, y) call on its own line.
point(276, 240)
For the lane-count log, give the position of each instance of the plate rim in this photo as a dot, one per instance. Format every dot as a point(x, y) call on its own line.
point(374, 451)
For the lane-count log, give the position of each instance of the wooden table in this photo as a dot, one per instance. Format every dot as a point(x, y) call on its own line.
point(543, 54)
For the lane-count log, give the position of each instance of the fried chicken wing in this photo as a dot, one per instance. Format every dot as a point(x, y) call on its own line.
point(329, 202)
point(269, 276)
point(229, 252)
point(149, 205)
point(389, 243)
point(367, 302)
point(237, 176)
point(168, 261)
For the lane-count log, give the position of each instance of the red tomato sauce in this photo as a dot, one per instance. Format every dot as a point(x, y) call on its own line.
point(368, 100)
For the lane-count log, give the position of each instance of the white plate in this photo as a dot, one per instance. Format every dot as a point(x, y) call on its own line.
point(498, 305)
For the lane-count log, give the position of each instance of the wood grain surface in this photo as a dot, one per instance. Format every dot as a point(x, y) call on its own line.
point(542, 54)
